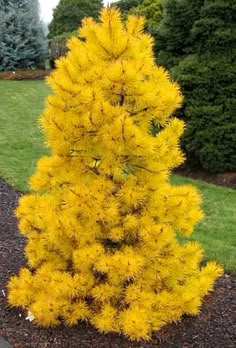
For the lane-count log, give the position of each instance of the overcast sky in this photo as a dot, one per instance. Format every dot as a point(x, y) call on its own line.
point(48, 5)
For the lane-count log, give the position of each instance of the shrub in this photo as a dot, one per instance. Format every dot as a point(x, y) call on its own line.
point(209, 140)
point(102, 220)
point(201, 55)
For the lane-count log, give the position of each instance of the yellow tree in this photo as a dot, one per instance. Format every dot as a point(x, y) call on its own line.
point(102, 220)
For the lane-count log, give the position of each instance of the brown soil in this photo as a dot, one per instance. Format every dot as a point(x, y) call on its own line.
point(214, 328)
point(224, 179)
point(24, 75)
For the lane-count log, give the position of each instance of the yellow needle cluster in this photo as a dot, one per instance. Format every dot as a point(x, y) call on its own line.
point(101, 224)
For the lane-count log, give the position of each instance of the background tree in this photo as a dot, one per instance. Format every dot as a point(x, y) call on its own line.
point(22, 43)
point(174, 32)
point(58, 47)
point(198, 40)
point(103, 216)
point(152, 10)
point(68, 14)
point(126, 5)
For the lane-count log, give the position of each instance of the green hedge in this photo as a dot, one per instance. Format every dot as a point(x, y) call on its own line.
point(209, 111)
point(204, 65)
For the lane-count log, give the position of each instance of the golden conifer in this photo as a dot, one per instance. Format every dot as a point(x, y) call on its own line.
point(102, 222)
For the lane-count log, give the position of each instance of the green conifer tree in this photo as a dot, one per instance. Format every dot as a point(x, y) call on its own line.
point(173, 37)
point(22, 43)
point(125, 6)
point(68, 15)
point(197, 41)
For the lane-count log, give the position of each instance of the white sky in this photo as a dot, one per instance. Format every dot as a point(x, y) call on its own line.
point(47, 7)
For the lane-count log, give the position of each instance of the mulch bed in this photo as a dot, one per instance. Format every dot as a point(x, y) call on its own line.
point(224, 179)
point(214, 328)
point(24, 75)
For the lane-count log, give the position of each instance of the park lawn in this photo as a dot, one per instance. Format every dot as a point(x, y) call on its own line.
point(21, 141)
point(217, 231)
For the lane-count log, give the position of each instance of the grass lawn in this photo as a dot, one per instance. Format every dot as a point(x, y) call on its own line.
point(22, 144)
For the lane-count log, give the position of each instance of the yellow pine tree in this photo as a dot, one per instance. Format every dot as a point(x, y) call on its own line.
point(102, 221)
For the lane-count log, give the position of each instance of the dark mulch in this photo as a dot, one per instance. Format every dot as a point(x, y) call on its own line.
point(223, 179)
point(24, 75)
point(214, 328)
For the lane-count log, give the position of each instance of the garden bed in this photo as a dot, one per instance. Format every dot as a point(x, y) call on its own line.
point(224, 179)
point(24, 75)
point(215, 326)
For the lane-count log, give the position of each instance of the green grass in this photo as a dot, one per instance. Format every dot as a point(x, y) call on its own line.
point(217, 231)
point(22, 144)
point(21, 141)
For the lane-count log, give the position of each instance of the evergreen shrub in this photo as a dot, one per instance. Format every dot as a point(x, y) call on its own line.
point(102, 221)
point(197, 42)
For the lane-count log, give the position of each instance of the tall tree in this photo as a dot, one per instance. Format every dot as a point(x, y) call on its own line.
point(151, 10)
point(174, 32)
point(126, 5)
point(68, 15)
point(201, 54)
point(22, 43)
point(102, 219)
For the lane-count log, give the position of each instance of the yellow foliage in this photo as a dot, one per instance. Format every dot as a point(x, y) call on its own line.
point(75, 312)
point(102, 220)
point(85, 257)
point(105, 320)
point(136, 323)
point(105, 292)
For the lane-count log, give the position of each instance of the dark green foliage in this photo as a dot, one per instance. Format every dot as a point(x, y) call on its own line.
point(68, 15)
point(126, 5)
point(174, 33)
point(205, 67)
point(22, 42)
